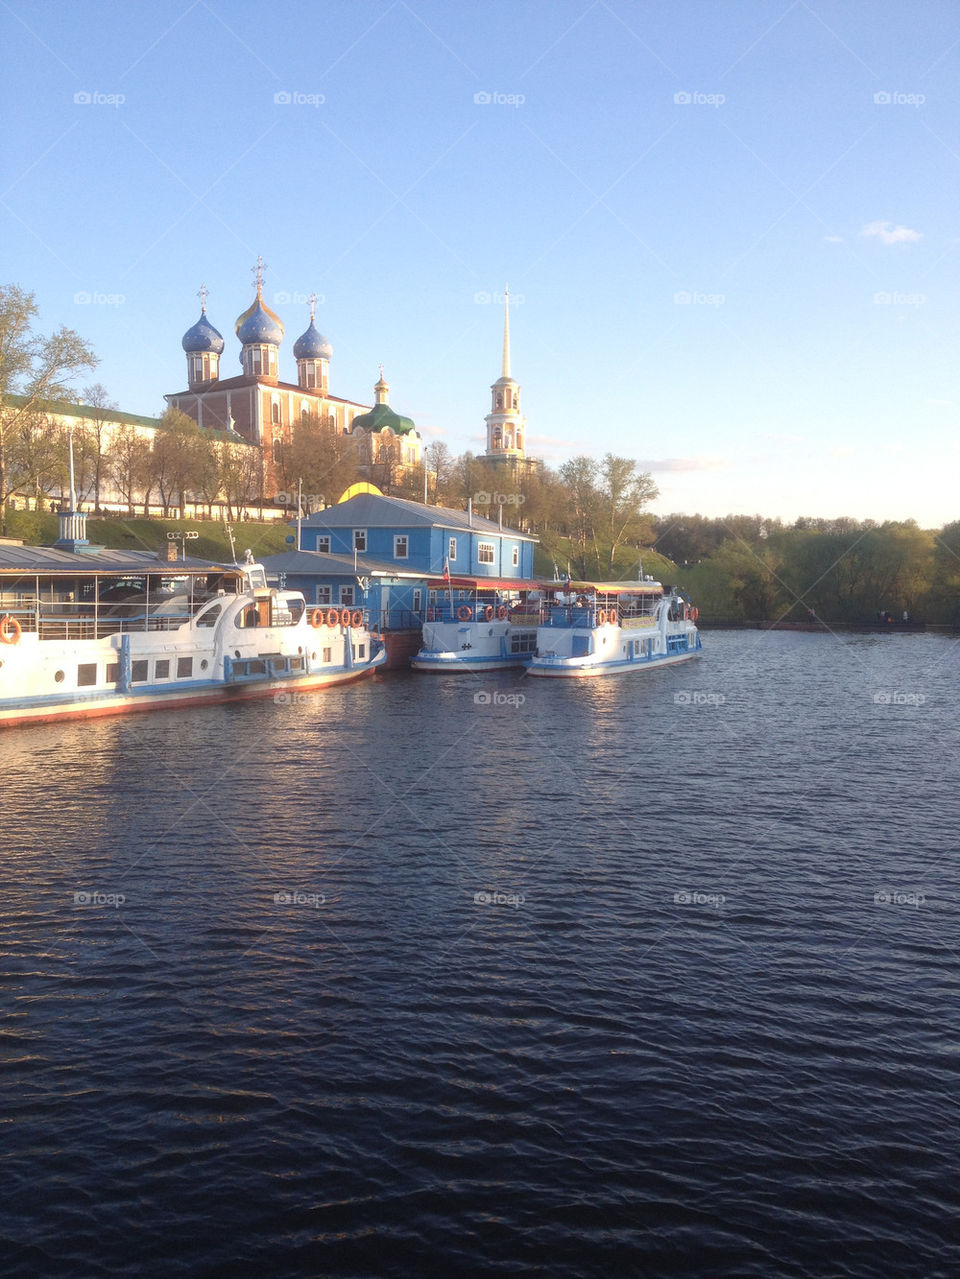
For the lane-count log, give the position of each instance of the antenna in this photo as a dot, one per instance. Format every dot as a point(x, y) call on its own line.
point(228, 529)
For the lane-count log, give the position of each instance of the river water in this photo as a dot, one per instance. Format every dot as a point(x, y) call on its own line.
point(655, 975)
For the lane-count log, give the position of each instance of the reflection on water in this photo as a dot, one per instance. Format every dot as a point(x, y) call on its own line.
point(649, 974)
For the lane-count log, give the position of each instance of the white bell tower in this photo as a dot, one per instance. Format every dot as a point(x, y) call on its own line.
point(506, 425)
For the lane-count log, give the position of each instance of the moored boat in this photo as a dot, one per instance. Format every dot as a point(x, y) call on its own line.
point(605, 628)
point(97, 632)
point(476, 624)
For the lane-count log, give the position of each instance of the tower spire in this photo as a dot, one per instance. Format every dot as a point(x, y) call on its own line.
point(203, 294)
point(258, 271)
point(506, 331)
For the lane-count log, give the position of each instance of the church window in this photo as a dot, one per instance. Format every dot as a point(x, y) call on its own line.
point(277, 450)
point(516, 400)
point(275, 412)
point(499, 400)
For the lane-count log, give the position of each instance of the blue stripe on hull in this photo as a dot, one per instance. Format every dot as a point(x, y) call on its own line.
point(566, 670)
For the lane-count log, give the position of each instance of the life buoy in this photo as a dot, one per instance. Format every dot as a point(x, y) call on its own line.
point(317, 617)
point(357, 618)
point(601, 617)
point(694, 614)
point(9, 629)
point(333, 618)
point(613, 617)
point(464, 613)
point(501, 613)
point(488, 613)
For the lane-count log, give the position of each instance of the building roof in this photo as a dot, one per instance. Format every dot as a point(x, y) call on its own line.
point(312, 345)
point(202, 337)
point(272, 384)
point(329, 565)
point(380, 417)
point(86, 410)
point(369, 510)
point(47, 559)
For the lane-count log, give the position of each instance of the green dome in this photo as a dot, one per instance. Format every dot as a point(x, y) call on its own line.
point(382, 415)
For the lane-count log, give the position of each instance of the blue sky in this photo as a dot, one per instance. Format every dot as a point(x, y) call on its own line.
point(730, 229)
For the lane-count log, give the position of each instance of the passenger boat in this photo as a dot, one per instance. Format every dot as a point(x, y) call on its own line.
point(88, 632)
point(480, 624)
point(604, 628)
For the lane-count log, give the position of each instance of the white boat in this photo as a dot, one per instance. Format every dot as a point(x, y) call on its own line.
point(88, 632)
point(476, 624)
point(606, 628)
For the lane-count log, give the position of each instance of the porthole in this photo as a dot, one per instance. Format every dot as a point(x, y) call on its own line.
point(60, 677)
point(203, 664)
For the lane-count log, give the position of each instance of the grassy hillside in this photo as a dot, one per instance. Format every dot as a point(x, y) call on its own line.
point(41, 529)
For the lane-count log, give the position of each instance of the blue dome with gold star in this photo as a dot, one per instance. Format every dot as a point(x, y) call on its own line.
point(259, 324)
point(202, 337)
point(312, 345)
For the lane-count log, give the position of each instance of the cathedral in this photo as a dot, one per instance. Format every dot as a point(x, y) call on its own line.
point(263, 409)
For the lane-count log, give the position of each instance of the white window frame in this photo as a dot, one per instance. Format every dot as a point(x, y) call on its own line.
point(323, 594)
point(398, 540)
point(515, 557)
point(347, 595)
point(360, 536)
point(323, 542)
point(486, 553)
point(452, 550)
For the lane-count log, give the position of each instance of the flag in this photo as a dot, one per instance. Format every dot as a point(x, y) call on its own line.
point(446, 570)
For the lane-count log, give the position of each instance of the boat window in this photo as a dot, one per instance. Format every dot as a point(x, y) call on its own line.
point(86, 674)
point(138, 672)
point(328, 654)
point(209, 615)
point(184, 667)
point(113, 672)
point(162, 669)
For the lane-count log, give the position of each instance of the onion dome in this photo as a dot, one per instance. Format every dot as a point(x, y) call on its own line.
point(202, 337)
point(258, 324)
point(380, 416)
point(312, 345)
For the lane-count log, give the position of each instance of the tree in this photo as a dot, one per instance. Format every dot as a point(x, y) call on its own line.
point(128, 464)
point(622, 494)
point(175, 458)
point(35, 371)
point(98, 400)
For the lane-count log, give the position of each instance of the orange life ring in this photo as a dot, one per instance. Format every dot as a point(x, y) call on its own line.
point(694, 614)
point(613, 617)
point(357, 618)
point(317, 617)
point(501, 613)
point(463, 613)
point(601, 617)
point(488, 613)
point(333, 617)
point(9, 629)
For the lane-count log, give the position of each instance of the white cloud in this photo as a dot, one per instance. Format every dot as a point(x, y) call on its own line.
point(834, 239)
point(889, 234)
point(683, 464)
